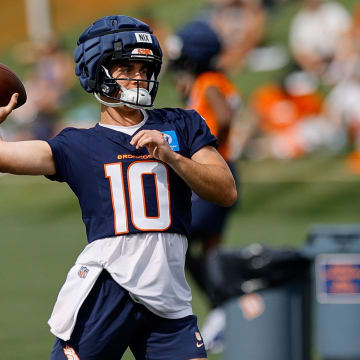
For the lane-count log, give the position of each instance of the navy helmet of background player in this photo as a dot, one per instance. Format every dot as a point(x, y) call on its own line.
point(194, 48)
point(109, 40)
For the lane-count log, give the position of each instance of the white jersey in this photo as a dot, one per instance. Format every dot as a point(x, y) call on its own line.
point(148, 265)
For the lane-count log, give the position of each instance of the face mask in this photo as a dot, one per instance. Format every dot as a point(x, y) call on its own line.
point(138, 96)
point(135, 98)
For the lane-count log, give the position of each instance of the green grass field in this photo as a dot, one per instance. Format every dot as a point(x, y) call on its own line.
point(42, 233)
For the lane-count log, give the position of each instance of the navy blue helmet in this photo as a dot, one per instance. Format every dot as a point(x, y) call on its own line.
point(194, 47)
point(114, 39)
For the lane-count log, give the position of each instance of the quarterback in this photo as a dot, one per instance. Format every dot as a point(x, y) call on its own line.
point(133, 174)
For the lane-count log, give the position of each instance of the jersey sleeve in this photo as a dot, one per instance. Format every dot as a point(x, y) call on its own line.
point(199, 134)
point(60, 146)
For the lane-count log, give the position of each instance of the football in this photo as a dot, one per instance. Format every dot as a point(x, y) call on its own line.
point(10, 84)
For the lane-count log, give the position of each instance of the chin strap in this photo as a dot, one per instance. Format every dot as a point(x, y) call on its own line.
point(110, 104)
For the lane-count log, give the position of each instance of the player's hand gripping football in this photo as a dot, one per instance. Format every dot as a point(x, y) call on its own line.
point(155, 143)
point(6, 110)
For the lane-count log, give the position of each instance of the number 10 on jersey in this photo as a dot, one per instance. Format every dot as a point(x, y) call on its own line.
point(137, 197)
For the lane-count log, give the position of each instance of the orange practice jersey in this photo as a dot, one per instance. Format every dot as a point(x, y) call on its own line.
point(198, 101)
point(278, 111)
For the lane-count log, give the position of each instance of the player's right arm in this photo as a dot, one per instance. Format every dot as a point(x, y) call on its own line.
point(24, 157)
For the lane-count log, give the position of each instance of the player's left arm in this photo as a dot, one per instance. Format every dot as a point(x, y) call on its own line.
point(206, 173)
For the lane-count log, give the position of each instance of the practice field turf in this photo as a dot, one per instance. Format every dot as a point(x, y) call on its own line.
point(42, 233)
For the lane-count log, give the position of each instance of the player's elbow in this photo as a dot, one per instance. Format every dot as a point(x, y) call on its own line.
point(230, 198)
point(227, 191)
point(227, 194)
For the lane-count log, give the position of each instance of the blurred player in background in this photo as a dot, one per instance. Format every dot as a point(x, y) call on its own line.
point(133, 174)
point(193, 51)
point(240, 25)
point(290, 124)
point(315, 33)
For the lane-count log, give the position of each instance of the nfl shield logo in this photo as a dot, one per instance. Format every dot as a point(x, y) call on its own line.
point(83, 272)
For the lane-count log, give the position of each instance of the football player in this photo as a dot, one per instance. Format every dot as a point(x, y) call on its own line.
point(133, 174)
point(193, 52)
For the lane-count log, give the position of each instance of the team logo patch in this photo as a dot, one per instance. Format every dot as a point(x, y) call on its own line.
point(142, 52)
point(70, 353)
point(172, 140)
point(143, 37)
point(83, 272)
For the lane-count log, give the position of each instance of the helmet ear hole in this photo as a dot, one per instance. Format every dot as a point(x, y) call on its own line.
point(106, 84)
point(106, 89)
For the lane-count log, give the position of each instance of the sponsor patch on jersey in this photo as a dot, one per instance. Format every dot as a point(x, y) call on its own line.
point(172, 140)
point(83, 272)
point(143, 37)
point(141, 52)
